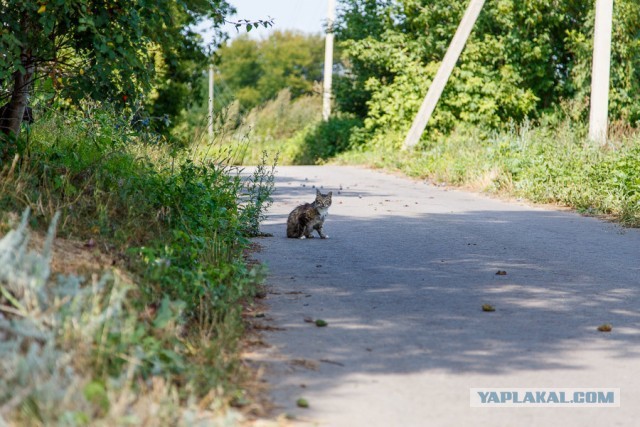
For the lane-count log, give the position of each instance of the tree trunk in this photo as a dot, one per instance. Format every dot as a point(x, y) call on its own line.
point(12, 113)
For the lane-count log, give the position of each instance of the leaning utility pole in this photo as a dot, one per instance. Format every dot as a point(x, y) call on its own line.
point(210, 116)
point(440, 80)
point(328, 61)
point(599, 108)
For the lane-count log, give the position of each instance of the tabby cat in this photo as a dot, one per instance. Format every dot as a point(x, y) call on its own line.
point(308, 217)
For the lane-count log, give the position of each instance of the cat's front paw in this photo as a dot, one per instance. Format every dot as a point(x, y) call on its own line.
point(303, 237)
point(324, 237)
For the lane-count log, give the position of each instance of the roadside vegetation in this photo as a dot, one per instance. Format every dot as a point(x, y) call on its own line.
point(538, 162)
point(267, 96)
point(123, 244)
point(119, 165)
point(512, 120)
point(154, 339)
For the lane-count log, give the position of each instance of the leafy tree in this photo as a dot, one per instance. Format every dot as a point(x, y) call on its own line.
point(361, 23)
point(240, 69)
point(254, 71)
point(290, 60)
point(522, 58)
point(102, 49)
point(624, 89)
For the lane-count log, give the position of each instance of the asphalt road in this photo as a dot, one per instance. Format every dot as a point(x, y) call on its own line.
point(401, 283)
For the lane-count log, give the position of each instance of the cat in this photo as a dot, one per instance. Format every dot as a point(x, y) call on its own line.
point(308, 217)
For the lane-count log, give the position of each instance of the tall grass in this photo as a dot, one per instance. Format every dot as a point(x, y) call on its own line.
point(547, 162)
point(293, 130)
point(155, 342)
point(274, 127)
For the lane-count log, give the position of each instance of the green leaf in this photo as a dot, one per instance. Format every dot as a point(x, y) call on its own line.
point(96, 393)
point(165, 314)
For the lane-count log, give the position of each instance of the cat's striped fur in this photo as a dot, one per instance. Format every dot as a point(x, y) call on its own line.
point(308, 217)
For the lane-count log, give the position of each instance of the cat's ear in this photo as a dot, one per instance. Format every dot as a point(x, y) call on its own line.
point(330, 193)
point(318, 193)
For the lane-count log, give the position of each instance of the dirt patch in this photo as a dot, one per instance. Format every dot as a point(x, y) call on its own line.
point(74, 257)
point(261, 407)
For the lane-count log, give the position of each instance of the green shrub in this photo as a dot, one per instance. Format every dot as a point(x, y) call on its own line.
point(180, 225)
point(550, 162)
point(324, 140)
point(275, 127)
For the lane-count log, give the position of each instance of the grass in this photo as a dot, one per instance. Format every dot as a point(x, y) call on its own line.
point(278, 128)
point(156, 340)
point(551, 163)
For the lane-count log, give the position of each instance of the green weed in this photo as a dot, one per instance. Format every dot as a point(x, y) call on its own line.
point(169, 334)
point(275, 128)
point(549, 162)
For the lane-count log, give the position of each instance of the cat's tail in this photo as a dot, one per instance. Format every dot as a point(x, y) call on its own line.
point(294, 231)
point(294, 228)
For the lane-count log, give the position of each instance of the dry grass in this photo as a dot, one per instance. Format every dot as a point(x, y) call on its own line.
point(126, 339)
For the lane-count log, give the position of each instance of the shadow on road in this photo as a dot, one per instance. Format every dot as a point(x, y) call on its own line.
point(409, 298)
point(403, 291)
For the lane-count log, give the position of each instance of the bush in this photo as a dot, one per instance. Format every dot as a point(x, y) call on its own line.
point(324, 140)
point(550, 162)
point(274, 127)
point(291, 130)
point(180, 225)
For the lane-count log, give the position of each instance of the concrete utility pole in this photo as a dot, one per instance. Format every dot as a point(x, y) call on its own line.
point(210, 116)
point(328, 61)
point(440, 80)
point(599, 110)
